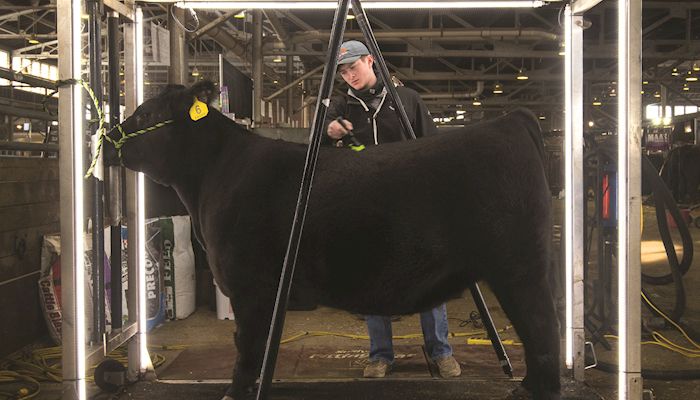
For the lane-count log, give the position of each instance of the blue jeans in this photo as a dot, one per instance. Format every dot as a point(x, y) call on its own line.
point(433, 323)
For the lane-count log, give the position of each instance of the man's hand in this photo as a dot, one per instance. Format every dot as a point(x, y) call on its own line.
point(337, 130)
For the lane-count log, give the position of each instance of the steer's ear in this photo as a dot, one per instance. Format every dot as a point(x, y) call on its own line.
point(205, 91)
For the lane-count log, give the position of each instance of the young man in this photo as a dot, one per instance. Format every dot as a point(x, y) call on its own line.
point(370, 113)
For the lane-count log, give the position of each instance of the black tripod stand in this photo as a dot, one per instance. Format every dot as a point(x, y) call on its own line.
point(279, 312)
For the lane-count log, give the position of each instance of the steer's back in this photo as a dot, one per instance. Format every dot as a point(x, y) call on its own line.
point(417, 220)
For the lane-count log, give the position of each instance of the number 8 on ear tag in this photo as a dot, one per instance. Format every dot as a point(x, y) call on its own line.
point(198, 110)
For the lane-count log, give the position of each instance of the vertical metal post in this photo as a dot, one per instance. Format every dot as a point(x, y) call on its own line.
point(98, 244)
point(629, 135)
point(133, 69)
point(115, 174)
point(258, 62)
point(285, 283)
point(574, 203)
point(289, 104)
point(178, 71)
point(71, 146)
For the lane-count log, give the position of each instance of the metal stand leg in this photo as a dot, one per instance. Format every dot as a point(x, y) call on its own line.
point(278, 313)
point(491, 329)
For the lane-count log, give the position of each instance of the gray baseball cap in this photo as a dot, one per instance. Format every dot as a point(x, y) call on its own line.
point(351, 51)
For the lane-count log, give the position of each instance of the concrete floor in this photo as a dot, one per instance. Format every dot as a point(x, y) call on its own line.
point(204, 335)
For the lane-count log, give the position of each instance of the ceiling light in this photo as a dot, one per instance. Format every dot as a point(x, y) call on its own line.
point(690, 77)
point(32, 39)
point(685, 87)
point(277, 59)
point(591, 124)
point(275, 81)
point(476, 102)
point(350, 16)
point(696, 67)
point(675, 72)
point(657, 94)
point(645, 82)
point(460, 117)
point(562, 49)
point(460, 112)
point(597, 102)
point(195, 71)
point(542, 117)
point(332, 5)
point(522, 76)
point(642, 92)
point(612, 93)
point(497, 88)
point(240, 15)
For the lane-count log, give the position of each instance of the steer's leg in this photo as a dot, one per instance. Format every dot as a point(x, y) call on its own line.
point(253, 310)
point(528, 304)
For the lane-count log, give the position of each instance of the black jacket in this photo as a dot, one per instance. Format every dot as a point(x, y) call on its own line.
point(371, 126)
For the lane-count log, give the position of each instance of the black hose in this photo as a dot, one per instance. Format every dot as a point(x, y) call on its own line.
point(663, 198)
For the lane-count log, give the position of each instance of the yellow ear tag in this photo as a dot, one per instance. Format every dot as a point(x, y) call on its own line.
point(198, 110)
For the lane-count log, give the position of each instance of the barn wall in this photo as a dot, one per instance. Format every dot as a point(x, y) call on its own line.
point(29, 208)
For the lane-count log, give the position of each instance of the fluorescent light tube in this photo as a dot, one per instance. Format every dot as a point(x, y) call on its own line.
point(331, 5)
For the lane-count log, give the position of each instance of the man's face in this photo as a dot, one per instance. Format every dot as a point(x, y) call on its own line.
point(359, 75)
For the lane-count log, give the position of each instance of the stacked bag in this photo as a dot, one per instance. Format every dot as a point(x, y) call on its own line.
point(170, 275)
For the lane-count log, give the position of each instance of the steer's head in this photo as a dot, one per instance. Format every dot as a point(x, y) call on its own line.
point(160, 151)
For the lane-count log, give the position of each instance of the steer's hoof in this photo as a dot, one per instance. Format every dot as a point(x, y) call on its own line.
point(520, 393)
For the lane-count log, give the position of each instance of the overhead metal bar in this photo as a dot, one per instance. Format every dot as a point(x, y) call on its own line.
point(462, 33)
point(27, 8)
point(7, 36)
point(294, 83)
point(30, 80)
point(214, 23)
point(21, 146)
point(121, 8)
point(372, 4)
point(593, 52)
point(26, 113)
point(579, 7)
point(14, 15)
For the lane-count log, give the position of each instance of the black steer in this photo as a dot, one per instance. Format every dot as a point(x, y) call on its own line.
point(395, 229)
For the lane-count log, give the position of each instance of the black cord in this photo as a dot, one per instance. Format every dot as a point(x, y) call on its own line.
point(474, 320)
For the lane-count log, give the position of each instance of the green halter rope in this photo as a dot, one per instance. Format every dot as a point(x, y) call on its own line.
point(101, 130)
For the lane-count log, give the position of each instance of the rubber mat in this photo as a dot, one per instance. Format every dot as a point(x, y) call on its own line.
point(306, 362)
point(384, 389)
point(323, 362)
